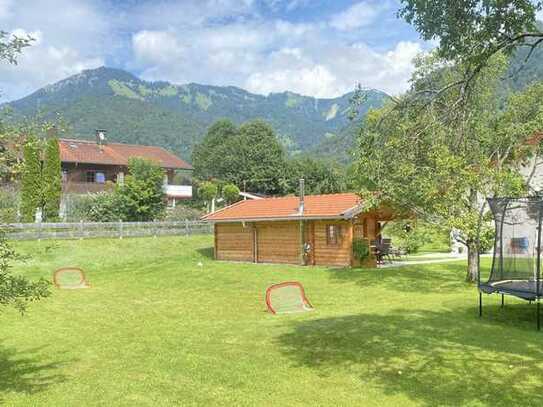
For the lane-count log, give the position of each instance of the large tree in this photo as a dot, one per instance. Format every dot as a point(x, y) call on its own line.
point(15, 290)
point(438, 161)
point(250, 156)
point(212, 157)
point(321, 177)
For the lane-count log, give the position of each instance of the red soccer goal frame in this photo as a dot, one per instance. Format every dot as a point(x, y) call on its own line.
point(285, 284)
point(83, 283)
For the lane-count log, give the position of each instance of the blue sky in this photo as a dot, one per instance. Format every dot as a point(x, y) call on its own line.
point(313, 47)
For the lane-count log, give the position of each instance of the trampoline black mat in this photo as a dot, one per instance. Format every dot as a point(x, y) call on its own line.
point(525, 289)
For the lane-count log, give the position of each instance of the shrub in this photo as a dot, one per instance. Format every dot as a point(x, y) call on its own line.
point(361, 249)
point(183, 212)
point(9, 203)
point(141, 197)
point(230, 193)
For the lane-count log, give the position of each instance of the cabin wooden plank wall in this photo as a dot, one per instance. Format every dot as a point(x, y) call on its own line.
point(332, 255)
point(233, 242)
point(278, 242)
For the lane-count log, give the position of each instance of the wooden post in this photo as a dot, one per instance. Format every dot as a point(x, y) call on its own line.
point(120, 228)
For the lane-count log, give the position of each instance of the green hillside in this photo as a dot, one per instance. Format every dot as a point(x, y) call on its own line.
point(176, 116)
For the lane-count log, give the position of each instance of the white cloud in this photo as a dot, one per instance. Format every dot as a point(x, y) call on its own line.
point(156, 46)
point(5, 9)
point(358, 15)
point(333, 71)
point(68, 36)
point(218, 42)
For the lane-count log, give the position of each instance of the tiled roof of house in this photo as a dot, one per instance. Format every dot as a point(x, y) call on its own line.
point(315, 207)
point(82, 151)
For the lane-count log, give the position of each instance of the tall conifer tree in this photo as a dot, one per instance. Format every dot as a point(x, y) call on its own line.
point(52, 181)
point(31, 182)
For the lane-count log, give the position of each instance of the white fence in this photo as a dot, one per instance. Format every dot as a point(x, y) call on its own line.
point(85, 230)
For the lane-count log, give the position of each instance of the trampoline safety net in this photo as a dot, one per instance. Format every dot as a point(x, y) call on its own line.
point(515, 266)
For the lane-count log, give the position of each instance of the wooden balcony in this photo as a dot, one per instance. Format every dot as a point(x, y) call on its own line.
point(85, 187)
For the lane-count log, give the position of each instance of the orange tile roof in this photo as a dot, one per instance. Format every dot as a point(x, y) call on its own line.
point(315, 207)
point(83, 151)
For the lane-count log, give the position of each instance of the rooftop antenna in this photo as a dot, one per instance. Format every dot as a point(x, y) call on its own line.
point(101, 138)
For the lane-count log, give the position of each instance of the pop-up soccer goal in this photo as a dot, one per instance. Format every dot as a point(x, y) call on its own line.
point(286, 298)
point(70, 278)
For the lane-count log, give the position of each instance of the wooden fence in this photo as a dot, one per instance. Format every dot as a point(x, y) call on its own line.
point(86, 230)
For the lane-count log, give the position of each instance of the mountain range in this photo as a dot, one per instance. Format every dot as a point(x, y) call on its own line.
point(177, 116)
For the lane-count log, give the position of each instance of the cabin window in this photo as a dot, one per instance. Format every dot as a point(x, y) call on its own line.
point(332, 234)
point(64, 175)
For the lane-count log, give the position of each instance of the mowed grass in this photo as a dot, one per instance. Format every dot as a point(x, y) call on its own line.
point(157, 329)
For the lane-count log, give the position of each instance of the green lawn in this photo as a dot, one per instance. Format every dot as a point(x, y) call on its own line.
point(156, 329)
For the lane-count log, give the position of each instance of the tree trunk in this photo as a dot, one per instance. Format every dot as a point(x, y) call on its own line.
point(473, 263)
point(473, 246)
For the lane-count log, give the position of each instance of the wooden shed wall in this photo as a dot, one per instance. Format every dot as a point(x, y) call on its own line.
point(233, 242)
point(332, 255)
point(278, 242)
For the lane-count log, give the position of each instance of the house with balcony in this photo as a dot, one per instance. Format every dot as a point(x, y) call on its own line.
point(94, 166)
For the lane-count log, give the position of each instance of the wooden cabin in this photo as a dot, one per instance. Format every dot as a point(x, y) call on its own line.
point(314, 230)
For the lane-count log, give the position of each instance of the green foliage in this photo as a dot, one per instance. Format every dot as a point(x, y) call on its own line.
point(411, 236)
point(215, 155)
point(438, 163)
point(321, 177)
point(98, 207)
point(183, 212)
point(261, 159)
point(31, 182)
point(472, 32)
point(52, 181)
point(207, 191)
point(230, 193)
point(16, 290)
point(249, 156)
point(141, 197)
point(361, 249)
point(9, 204)
point(11, 46)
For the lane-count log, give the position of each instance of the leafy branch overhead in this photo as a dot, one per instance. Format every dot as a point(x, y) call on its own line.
point(470, 33)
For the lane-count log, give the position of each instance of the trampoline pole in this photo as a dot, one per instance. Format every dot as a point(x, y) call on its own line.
point(503, 302)
point(480, 304)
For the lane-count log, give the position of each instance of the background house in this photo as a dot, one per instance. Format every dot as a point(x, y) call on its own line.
point(315, 230)
point(89, 166)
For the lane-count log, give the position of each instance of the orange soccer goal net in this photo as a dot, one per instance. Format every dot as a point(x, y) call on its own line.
point(287, 298)
point(70, 277)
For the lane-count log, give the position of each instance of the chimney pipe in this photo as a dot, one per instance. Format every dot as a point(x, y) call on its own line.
point(302, 192)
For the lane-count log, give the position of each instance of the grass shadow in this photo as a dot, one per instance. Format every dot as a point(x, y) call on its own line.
point(207, 252)
point(447, 277)
point(447, 358)
point(26, 373)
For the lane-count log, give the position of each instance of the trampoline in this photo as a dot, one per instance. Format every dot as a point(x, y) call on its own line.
point(516, 264)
